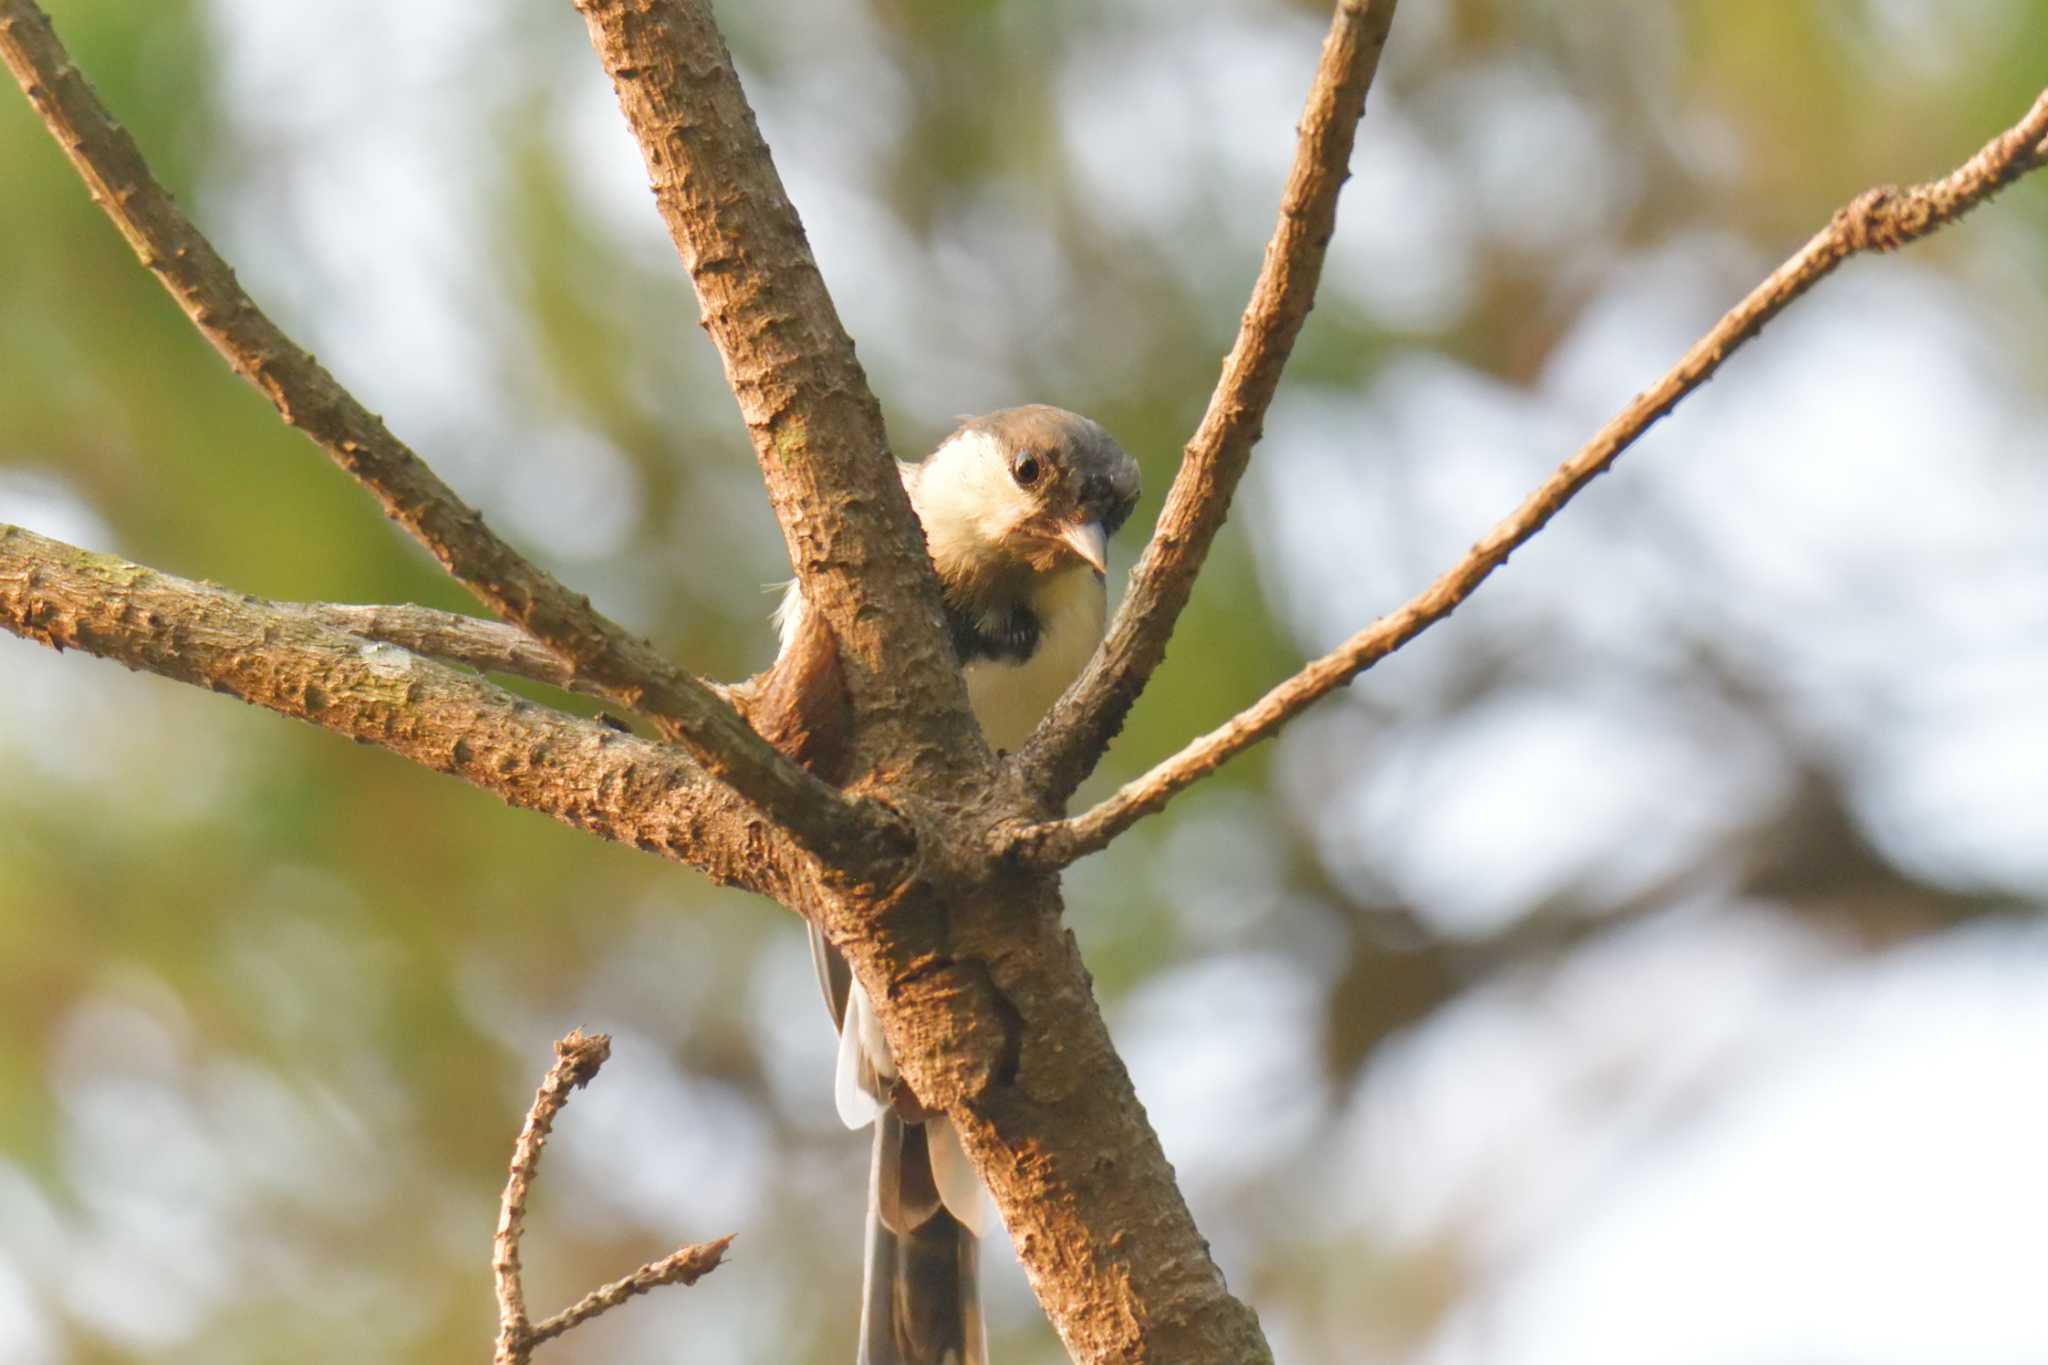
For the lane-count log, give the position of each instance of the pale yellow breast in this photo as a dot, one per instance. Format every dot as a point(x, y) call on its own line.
point(1008, 698)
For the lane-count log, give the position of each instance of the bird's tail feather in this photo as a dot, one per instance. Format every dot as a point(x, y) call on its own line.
point(921, 1304)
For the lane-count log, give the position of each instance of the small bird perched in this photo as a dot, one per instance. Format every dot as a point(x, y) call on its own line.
point(1017, 509)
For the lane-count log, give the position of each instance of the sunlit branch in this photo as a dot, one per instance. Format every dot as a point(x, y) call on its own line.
point(487, 646)
point(686, 1265)
point(1880, 219)
point(816, 427)
point(1071, 739)
point(984, 1000)
point(579, 772)
point(577, 1059)
point(601, 654)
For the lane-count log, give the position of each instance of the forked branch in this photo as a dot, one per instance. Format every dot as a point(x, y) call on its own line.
point(816, 426)
point(685, 1265)
point(1881, 219)
point(487, 646)
point(280, 657)
point(597, 651)
point(577, 1059)
point(1072, 737)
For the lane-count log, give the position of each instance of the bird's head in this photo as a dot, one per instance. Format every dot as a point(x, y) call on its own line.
point(1021, 492)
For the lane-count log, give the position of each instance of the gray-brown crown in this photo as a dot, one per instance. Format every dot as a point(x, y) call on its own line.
point(1093, 474)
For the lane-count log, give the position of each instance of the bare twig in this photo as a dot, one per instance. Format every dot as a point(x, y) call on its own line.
point(598, 651)
point(577, 771)
point(1072, 737)
point(577, 1058)
point(817, 430)
point(684, 1266)
point(487, 646)
point(1881, 219)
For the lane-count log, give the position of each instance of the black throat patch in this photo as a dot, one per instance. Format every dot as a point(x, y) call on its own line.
point(1005, 635)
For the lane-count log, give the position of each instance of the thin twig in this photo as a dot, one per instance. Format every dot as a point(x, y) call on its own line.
point(577, 1058)
point(1071, 738)
point(685, 1266)
point(487, 646)
point(597, 650)
point(1881, 219)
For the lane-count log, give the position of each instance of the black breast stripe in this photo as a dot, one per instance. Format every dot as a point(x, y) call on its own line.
point(1009, 637)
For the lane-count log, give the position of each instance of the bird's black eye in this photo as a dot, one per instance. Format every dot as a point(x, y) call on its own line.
point(1025, 469)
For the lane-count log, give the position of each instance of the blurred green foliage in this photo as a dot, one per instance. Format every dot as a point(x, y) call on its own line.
point(293, 993)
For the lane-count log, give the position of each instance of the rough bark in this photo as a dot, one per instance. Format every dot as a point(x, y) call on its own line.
point(487, 646)
point(580, 772)
point(982, 993)
point(992, 1018)
point(983, 998)
point(306, 396)
point(816, 427)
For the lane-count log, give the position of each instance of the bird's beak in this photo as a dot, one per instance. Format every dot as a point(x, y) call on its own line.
point(1088, 540)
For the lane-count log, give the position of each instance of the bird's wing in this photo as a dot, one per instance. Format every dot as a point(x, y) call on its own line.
point(835, 978)
point(959, 1185)
point(865, 1072)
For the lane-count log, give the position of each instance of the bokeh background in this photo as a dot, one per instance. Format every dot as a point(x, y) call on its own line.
point(1646, 965)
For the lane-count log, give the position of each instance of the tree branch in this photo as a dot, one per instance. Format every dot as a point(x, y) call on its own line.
point(487, 646)
point(816, 428)
point(991, 1016)
point(686, 1265)
point(577, 1059)
point(981, 992)
point(1072, 737)
point(579, 772)
point(598, 651)
point(1880, 219)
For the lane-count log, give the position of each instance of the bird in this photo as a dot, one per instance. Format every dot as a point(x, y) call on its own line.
point(1017, 508)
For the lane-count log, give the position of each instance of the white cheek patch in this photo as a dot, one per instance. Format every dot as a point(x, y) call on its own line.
point(966, 497)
